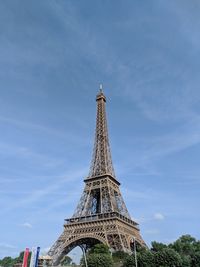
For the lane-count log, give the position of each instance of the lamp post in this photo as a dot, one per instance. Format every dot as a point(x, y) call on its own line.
point(111, 251)
point(135, 252)
point(84, 255)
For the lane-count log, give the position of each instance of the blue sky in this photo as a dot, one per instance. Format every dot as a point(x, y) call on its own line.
point(53, 56)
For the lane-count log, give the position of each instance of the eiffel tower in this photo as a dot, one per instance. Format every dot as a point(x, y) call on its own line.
point(101, 215)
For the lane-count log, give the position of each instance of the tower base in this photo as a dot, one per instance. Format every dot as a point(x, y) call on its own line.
point(112, 229)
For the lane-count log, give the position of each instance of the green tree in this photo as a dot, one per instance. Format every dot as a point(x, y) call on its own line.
point(6, 262)
point(195, 260)
point(185, 245)
point(99, 249)
point(186, 261)
point(9, 262)
point(167, 257)
point(119, 256)
point(98, 256)
point(66, 260)
point(145, 258)
point(156, 246)
point(189, 250)
point(129, 261)
point(20, 258)
point(99, 260)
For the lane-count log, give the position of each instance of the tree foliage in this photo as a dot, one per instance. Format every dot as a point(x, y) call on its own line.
point(156, 246)
point(167, 257)
point(98, 256)
point(184, 252)
point(10, 262)
point(100, 249)
point(119, 256)
point(66, 260)
point(99, 260)
point(144, 259)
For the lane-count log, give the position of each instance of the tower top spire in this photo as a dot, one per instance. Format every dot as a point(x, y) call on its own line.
point(101, 160)
point(100, 95)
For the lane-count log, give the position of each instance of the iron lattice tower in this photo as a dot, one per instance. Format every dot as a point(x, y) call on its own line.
point(101, 214)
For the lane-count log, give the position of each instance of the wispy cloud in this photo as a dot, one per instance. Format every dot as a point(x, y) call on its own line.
point(159, 216)
point(7, 249)
point(154, 217)
point(17, 150)
point(26, 225)
point(185, 136)
point(24, 152)
point(34, 126)
point(152, 231)
point(36, 195)
point(6, 246)
point(135, 195)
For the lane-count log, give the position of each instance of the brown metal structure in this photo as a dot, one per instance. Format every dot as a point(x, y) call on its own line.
point(101, 214)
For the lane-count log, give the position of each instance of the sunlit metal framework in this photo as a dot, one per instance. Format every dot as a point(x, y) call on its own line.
point(101, 214)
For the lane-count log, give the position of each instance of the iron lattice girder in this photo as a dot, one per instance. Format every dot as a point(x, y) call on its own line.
point(101, 195)
point(101, 159)
point(101, 214)
point(112, 229)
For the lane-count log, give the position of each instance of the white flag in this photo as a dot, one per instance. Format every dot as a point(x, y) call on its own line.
point(33, 257)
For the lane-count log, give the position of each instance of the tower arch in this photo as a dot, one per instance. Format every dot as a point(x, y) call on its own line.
point(87, 241)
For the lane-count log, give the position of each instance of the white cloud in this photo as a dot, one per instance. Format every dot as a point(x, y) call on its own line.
point(152, 231)
point(156, 216)
point(37, 195)
point(26, 225)
point(6, 246)
point(132, 195)
point(184, 137)
point(159, 216)
point(34, 126)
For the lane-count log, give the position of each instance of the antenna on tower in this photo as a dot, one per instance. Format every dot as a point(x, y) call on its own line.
point(101, 87)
